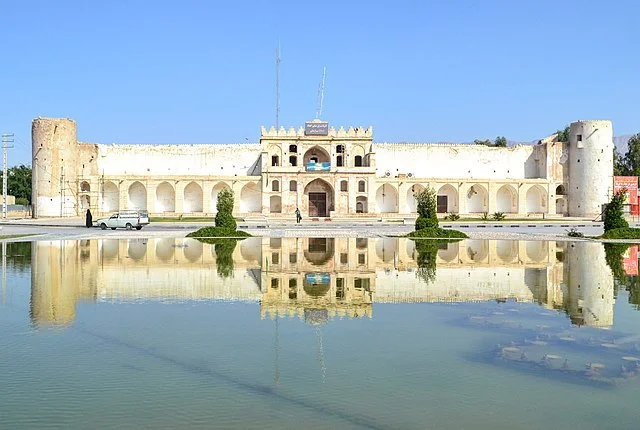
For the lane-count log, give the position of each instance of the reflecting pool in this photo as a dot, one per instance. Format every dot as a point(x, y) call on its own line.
point(319, 333)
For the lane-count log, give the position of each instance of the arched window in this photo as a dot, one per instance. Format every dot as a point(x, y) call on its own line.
point(339, 162)
point(358, 161)
point(275, 160)
point(293, 148)
point(293, 186)
point(361, 187)
point(293, 160)
point(344, 186)
point(560, 191)
point(359, 207)
point(340, 149)
point(275, 186)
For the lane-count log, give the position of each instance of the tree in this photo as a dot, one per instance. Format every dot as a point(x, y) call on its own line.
point(19, 182)
point(631, 160)
point(483, 142)
point(619, 167)
point(427, 215)
point(224, 217)
point(563, 135)
point(613, 216)
point(500, 142)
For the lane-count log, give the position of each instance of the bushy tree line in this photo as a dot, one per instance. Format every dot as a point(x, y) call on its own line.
point(500, 142)
point(19, 183)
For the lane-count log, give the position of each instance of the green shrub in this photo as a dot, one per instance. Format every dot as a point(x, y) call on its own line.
point(452, 217)
point(498, 216)
point(613, 216)
point(438, 233)
point(23, 201)
point(622, 233)
point(210, 234)
point(427, 216)
point(485, 216)
point(427, 254)
point(224, 217)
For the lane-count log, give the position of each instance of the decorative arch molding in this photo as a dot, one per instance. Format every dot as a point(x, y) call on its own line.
point(411, 205)
point(536, 200)
point(251, 198)
point(214, 194)
point(507, 199)
point(387, 199)
point(193, 197)
point(477, 199)
point(318, 198)
point(317, 153)
point(447, 199)
point(111, 197)
point(137, 196)
point(165, 198)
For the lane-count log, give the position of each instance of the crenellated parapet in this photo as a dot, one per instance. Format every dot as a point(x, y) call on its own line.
point(351, 132)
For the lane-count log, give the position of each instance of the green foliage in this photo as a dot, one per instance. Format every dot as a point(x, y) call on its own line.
point(427, 254)
point(427, 214)
point(622, 233)
point(614, 255)
point(452, 217)
point(485, 216)
point(500, 142)
point(209, 234)
point(619, 167)
point(224, 217)
point(498, 216)
point(629, 165)
point(563, 135)
point(19, 183)
point(438, 233)
point(613, 216)
point(22, 201)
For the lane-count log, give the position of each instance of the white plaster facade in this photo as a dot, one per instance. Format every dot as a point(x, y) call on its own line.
point(285, 171)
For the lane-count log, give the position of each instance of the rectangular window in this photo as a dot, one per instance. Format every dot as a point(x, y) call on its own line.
point(339, 160)
point(274, 160)
point(361, 258)
point(275, 258)
point(293, 258)
point(344, 186)
point(442, 204)
point(293, 186)
point(275, 282)
point(344, 258)
point(361, 187)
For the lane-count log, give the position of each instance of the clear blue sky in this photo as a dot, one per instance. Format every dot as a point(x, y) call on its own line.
point(422, 71)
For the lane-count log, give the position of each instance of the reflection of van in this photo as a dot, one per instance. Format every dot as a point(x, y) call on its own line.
point(124, 219)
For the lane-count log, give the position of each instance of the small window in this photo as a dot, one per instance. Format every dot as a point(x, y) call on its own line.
point(361, 258)
point(293, 186)
point(293, 160)
point(344, 186)
point(293, 258)
point(358, 161)
point(275, 186)
point(579, 137)
point(344, 258)
point(293, 148)
point(362, 242)
point(293, 289)
point(275, 243)
point(339, 162)
point(359, 207)
point(275, 160)
point(275, 258)
point(361, 187)
point(275, 282)
point(340, 149)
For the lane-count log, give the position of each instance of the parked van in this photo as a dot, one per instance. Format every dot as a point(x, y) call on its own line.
point(124, 219)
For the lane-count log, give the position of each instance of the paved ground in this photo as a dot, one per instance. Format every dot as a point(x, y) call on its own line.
point(72, 228)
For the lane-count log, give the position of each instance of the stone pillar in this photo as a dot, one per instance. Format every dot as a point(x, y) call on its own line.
point(462, 198)
point(179, 196)
point(492, 190)
point(151, 196)
point(207, 208)
point(522, 199)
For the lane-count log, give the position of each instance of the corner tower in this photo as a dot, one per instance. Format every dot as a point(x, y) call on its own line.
point(54, 155)
point(590, 167)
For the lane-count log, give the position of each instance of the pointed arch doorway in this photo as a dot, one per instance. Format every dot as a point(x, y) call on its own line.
point(319, 196)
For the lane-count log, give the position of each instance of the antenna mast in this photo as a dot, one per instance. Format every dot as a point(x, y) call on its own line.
point(278, 87)
point(320, 99)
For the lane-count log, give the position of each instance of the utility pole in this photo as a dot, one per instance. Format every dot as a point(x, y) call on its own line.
point(6, 138)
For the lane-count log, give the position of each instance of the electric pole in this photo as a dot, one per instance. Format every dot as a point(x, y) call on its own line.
point(6, 138)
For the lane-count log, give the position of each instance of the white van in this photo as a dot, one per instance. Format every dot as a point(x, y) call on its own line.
point(124, 219)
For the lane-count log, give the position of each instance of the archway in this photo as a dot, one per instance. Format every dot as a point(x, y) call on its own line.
point(361, 205)
point(561, 206)
point(536, 200)
point(110, 197)
point(214, 195)
point(537, 250)
point(316, 158)
point(477, 250)
point(386, 249)
point(85, 202)
point(477, 199)
point(137, 196)
point(165, 198)
point(387, 199)
point(448, 252)
point(251, 198)
point(192, 250)
point(137, 249)
point(507, 199)
point(275, 204)
point(165, 249)
point(412, 204)
point(506, 250)
point(318, 195)
point(319, 250)
point(110, 248)
point(192, 198)
point(447, 198)
point(251, 249)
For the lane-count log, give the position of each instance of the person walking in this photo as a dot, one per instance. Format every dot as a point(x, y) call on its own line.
point(298, 216)
point(89, 219)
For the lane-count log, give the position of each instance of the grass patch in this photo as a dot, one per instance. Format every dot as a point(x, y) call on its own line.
point(622, 233)
point(438, 233)
point(181, 219)
point(209, 234)
point(15, 236)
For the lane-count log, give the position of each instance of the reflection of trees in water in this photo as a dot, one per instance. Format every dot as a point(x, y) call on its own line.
point(427, 255)
point(19, 256)
point(224, 254)
point(614, 255)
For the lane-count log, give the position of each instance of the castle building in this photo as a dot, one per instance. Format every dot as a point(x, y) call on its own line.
point(327, 173)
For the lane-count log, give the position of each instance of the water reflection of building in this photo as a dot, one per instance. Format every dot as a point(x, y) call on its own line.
point(318, 279)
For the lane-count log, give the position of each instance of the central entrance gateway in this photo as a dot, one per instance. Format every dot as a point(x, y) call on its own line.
point(318, 198)
point(318, 204)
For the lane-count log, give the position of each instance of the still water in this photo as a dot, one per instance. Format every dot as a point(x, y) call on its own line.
point(319, 333)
